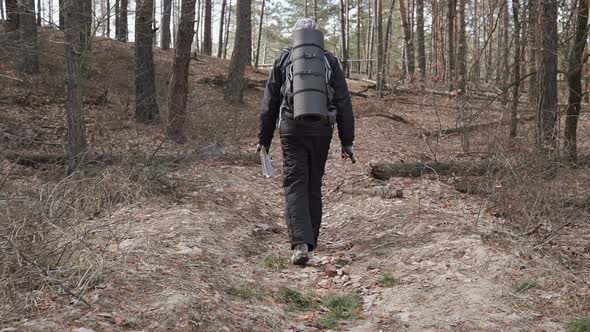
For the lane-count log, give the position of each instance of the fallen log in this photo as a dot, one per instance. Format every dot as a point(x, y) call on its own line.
point(384, 170)
point(466, 129)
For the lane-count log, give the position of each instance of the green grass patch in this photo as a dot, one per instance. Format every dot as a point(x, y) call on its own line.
point(248, 291)
point(373, 264)
point(580, 324)
point(387, 280)
point(275, 262)
point(295, 300)
point(526, 285)
point(341, 307)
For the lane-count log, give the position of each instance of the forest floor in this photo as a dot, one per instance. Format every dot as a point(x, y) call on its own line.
point(191, 238)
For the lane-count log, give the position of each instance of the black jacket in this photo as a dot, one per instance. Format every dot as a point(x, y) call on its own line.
point(271, 104)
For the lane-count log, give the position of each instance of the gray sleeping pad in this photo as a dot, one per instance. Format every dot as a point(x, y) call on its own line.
point(310, 97)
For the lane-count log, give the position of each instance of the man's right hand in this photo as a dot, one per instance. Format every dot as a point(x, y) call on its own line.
point(347, 152)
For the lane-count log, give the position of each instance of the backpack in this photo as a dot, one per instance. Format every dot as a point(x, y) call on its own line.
point(307, 78)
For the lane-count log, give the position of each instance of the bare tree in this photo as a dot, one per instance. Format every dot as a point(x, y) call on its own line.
point(166, 24)
point(108, 13)
point(343, 36)
point(121, 22)
point(574, 79)
point(533, 48)
point(359, 20)
point(259, 34)
point(234, 90)
point(86, 25)
point(39, 12)
point(146, 106)
point(420, 37)
point(517, 50)
point(221, 26)
point(74, 109)
point(180, 69)
point(28, 60)
point(12, 14)
point(388, 33)
point(207, 39)
point(370, 37)
point(408, 42)
point(227, 31)
point(462, 50)
point(547, 115)
point(380, 55)
point(451, 42)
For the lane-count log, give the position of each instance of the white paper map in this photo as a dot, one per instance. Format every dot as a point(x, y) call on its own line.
point(267, 169)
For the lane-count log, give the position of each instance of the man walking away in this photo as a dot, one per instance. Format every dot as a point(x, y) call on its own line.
point(307, 96)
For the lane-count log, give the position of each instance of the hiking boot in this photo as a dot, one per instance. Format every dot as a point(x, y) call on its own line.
point(300, 254)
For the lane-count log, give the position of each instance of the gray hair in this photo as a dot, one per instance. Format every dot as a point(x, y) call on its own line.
point(305, 23)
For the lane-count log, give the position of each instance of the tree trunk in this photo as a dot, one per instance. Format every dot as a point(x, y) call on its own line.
point(315, 10)
point(575, 81)
point(514, 113)
point(154, 27)
point(122, 21)
point(74, 109)
point(117, 18)
point(434, 40)
point(86, 31)
point(2, 11)
point(475, 73)
point(380, 54)
point(108, 13)
point(347, 20)
point(388, 34)
point(408, 42)
point(28, 59)
point(180, 69)
point(533, 49)
point(50, 8)
point(38, 12)
point(420, 37)
point(198, 28)
point(221, 26)
point(489, 30)
point(227, 31)
point(207, 39)
point(370, 34)
point(359, 19)
point(12, 14)
point(548, 76)
point(462, 52)
point(146, 106)
point(343, 36)
point(505, 70)
point(236, 82)
point(259, 34)
point(450, 42)
point(166, 24)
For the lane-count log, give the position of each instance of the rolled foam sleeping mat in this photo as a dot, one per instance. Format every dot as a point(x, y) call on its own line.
point(310, 98)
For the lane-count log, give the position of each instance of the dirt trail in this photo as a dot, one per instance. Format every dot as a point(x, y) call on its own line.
point(215, 259)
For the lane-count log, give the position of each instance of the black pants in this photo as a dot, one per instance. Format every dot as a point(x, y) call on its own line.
point(304, 160)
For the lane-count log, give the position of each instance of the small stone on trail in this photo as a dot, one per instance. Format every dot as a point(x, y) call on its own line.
point(330, 270)
point(324, 283)
point(347, 269)
point(80, 329)
point(261, 229)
